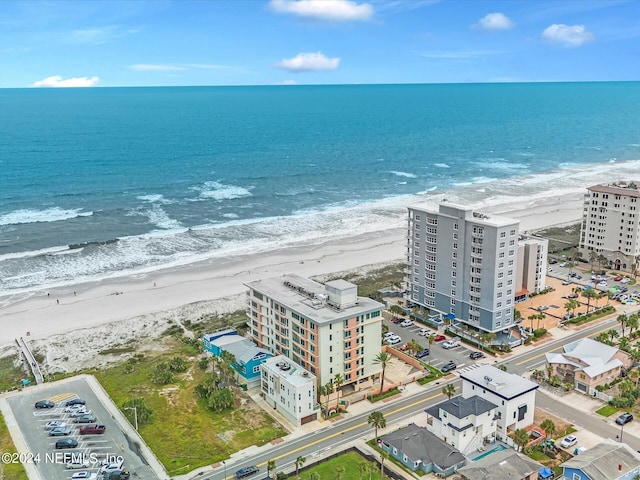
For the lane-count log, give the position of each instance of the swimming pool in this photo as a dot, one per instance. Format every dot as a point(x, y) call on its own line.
point(497, 448)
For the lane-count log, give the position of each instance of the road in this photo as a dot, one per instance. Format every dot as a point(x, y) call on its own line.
point(357, 428)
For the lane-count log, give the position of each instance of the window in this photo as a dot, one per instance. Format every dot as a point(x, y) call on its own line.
point(522, 410)
point(503, 234)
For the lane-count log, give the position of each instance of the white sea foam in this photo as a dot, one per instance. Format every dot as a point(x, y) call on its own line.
point(441, 165)
point(230, 215)
point(155, 198)
point(220, 191)
point(160, 218)
point(403, 174)
point(53, 214)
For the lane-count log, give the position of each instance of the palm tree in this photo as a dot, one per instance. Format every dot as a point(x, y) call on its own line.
point(613, 333)
point(602, 260)
point(532, 317)
point(541, 316)
point(521, 438)
point(371, 467)
point(362, 467)
point(633, 324)
point(634, 376)
point(624, 344)
point(635, 355)
point(413, 346)
point(570, 265)
point(299, 462)
point(383, 456)
point(549, 428)
point(377, 420)
point(622, 318)
point(603, 337)
point(384, 360)
point(449, 390)
point(431, 340)
point(271, 466)
point(338, 380)
point(589, 294)
point(396, 310)
point(516, 315)
point(625, 387)
point(593, 258)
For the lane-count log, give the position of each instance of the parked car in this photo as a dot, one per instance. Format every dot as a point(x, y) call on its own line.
point(116, 475)
point(74, 408)
point(424, 332)
point(542, 308)
point(54, 424)
point(578, 277)
point(573, 274)
point(74, 401)
point(87, 418)
point(45, 404)
point(66, 443)
point(448, 367)
point(88, 475)
point(111, 468)
point(625, 280)
point(451, 344)
point(563, 264)
point(572, 295)
point(624, 418)
point(396, 320)
point(423, 353)
point(623, 289)
point(59, 432)
point(476, 355)
point(389, 334)
point(567, 282)
point(92, 428)
point(439, 338)
point(80, 413)
point(393, 340)
point(568, 316)
point(406, 323)
point(76, 464)
point(569, 441)
point(602, 283)
point(617, 279)
point(246, 472)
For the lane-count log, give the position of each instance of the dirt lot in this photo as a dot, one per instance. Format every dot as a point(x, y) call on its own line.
point(540, 416)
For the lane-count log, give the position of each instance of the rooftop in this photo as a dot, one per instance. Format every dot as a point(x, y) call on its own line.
point(504, 465)
point(503, 384)
point(588, 355)
point(461, 407)
point(454, 210)
point(311, 300)
point(289, 370)
point(606, 460)
point(630, 189)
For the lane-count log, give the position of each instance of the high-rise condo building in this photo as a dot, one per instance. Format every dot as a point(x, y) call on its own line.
point(327, 329)
point(611, 225)
point(464, 264)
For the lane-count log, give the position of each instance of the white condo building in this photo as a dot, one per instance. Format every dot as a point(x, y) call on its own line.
point(462, 263)
point(611, 224)
point(326, 329)
point(289, 389)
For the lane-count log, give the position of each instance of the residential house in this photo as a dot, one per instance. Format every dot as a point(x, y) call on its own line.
point(464, 423)
point(514, 396)
point(419, 449)
point(247, 356)
point(503, 465)
point(587, 364)
point(609, 460)
point(289, 389)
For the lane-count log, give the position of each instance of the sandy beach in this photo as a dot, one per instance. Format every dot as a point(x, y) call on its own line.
point(69, 326)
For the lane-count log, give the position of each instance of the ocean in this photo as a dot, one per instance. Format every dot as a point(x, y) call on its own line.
point(106, 182)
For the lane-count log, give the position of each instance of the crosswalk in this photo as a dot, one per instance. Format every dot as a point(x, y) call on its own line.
point(467, 368)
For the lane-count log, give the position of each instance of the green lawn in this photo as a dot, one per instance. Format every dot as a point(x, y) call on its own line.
point(184, 433)
point(343, 467)
point(9, 471)
point(10, 375)
point(607, 411)
point(381, 396)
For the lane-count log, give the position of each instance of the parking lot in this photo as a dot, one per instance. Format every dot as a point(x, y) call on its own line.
point(118, 442)
point(438, 355)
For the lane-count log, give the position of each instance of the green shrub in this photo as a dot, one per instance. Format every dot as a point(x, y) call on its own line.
point(539, 332)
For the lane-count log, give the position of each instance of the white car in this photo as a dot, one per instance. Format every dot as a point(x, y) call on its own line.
point(424, 332)
point(112, 467)
point(81, 412)
point(450, 344)
point(389, 334)
point(393, 340)
point(602, 284)
point(625, 280)
point(73, 408)
point(54, 424)
point(569, 441)
point(407, 323)
point(88, 475)
point(78, 464)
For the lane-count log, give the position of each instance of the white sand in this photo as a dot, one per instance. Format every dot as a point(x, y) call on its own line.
point(114, 312)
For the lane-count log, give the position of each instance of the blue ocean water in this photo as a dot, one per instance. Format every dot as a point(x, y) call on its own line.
point(110, 181)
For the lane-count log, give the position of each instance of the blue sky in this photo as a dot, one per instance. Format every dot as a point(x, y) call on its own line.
point(268, 42)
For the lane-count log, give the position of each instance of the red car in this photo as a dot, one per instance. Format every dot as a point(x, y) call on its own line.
point(91, 429)
point(439, 338)
point(617, 279)
point(404, 347)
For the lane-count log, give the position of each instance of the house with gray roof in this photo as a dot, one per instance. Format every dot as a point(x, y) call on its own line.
point(419, 449)
point(247, 357)
point(464, 423)
point(515, 396)
point(608, 460)
point(587, 364)
point(504, 465)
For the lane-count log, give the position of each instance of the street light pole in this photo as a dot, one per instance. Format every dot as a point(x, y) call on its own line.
point(225, 469)
point(135, 416)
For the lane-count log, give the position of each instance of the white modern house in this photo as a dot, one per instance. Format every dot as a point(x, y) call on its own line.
point(514, 396)
point(289, 389)
point(463, 423)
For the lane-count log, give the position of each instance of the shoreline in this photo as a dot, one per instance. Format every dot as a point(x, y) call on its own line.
point(218, 286)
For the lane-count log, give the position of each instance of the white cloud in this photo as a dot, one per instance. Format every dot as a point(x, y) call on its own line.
point(328, 10)
point(567, 35)
point(309, 62)
point(146, 67)
point(494, 21)
point(56, 81)
point(98, 35)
